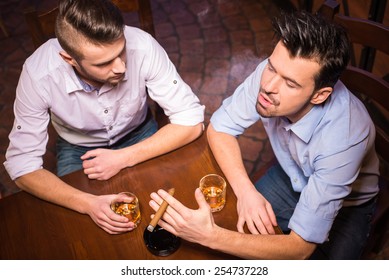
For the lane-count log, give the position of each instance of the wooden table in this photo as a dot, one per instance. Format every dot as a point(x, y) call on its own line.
point(34, 229)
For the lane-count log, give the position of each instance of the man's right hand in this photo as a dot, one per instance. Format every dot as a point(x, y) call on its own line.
point(99, 209)
point(255, 211)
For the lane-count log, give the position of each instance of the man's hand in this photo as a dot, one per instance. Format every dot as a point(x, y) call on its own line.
point(254, 210)
point(100, 211)
point(192, 225)
point(102, 164)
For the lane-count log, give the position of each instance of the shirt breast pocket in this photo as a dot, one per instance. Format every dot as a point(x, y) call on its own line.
point(129, 108)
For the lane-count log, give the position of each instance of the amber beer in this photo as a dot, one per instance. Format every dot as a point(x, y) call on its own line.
point(213, 187)
point(128, 209)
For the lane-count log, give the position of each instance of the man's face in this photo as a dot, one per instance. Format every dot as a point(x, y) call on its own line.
point(103, 63)
point(287, 85)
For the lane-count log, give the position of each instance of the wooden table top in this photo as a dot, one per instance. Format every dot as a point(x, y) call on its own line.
point(31, 228)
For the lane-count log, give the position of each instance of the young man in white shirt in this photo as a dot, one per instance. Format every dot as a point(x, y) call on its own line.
point(91, 82)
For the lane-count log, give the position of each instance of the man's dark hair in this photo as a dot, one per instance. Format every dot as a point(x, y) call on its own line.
point(313, 37)
point(92, 21)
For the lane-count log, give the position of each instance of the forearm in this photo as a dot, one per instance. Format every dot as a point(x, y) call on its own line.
point(49, 187)
point(257, 246)
point(227, 153)
point(166, 139)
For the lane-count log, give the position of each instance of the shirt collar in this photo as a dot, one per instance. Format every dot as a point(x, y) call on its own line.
point(75, 83)
point(87, 87)
point(305, 127)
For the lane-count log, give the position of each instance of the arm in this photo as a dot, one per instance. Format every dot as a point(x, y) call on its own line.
point(253, 209)
point(198, 226)
point(107, 163)
point(47, 186)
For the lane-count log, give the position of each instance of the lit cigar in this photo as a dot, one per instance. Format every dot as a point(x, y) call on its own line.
point(159, 213)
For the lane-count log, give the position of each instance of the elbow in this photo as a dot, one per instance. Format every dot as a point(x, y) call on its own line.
point(198, 130)
point(305, 252)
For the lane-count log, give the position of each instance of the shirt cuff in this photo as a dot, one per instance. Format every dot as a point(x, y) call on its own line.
point(309, 225)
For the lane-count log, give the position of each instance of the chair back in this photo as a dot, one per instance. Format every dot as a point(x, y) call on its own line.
point(41, 24)
point(365, 33)
point(329, 9)
point(373, 90)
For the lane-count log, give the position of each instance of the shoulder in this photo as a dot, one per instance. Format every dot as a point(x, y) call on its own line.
point(45, 60)
point(137, 38)
point(346, 119)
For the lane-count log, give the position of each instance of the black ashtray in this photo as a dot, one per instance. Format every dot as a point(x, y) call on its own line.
point(161, 242)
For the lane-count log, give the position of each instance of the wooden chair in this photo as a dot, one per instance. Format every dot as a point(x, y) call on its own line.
point(3, 28)
point(41, 27)
point(358, 31)
point(373, 90)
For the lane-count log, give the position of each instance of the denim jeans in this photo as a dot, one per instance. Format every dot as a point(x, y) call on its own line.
point(349, 231)
point(68, 155)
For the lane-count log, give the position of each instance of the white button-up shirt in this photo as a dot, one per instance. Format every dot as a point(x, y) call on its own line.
point(48, 87)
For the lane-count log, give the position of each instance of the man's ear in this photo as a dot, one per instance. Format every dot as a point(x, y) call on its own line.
point(69, 59)
point(321, 95)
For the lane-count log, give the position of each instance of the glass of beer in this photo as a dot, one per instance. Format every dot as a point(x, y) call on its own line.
point(214, 187)
point(127, 205)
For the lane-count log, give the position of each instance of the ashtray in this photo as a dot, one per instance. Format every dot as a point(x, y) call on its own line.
point(160, 242)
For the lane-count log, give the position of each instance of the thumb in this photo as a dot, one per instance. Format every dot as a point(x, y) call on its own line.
point(201, 199)
point(89, 154)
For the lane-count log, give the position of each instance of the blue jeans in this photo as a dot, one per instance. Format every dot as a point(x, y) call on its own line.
point(349, 231)
point(68, 155)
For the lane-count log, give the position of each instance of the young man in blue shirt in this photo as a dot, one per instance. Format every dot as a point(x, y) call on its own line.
point(322, 190)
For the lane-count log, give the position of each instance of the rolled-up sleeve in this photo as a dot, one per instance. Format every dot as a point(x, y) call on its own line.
point(28, 137)
point(238, 112)
point(323, 196)
point(168, 89)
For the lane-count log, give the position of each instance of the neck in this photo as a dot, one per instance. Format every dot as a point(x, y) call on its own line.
point(87, 80)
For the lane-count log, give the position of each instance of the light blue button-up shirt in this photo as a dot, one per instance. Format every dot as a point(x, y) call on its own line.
point(328, 154)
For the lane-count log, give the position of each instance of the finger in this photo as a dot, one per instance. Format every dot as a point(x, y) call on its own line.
point(88, 163)
point(154, 205)
point(167, 222)
point(89, 154)
point(116, 227)
point(93, 176)
point(201, 200)
point(156, 201)
point(272, 216)
point(174, 203)
point(240, 225)
point(154, 196)
point(253, 227)
point(88, 170)
point(122, 197)
point(263, 224)
point(168, 227)
point(170, 214)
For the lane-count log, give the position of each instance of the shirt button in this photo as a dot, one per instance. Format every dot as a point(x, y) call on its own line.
point(110, 128)
point(295, 180)
point(106, 111)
